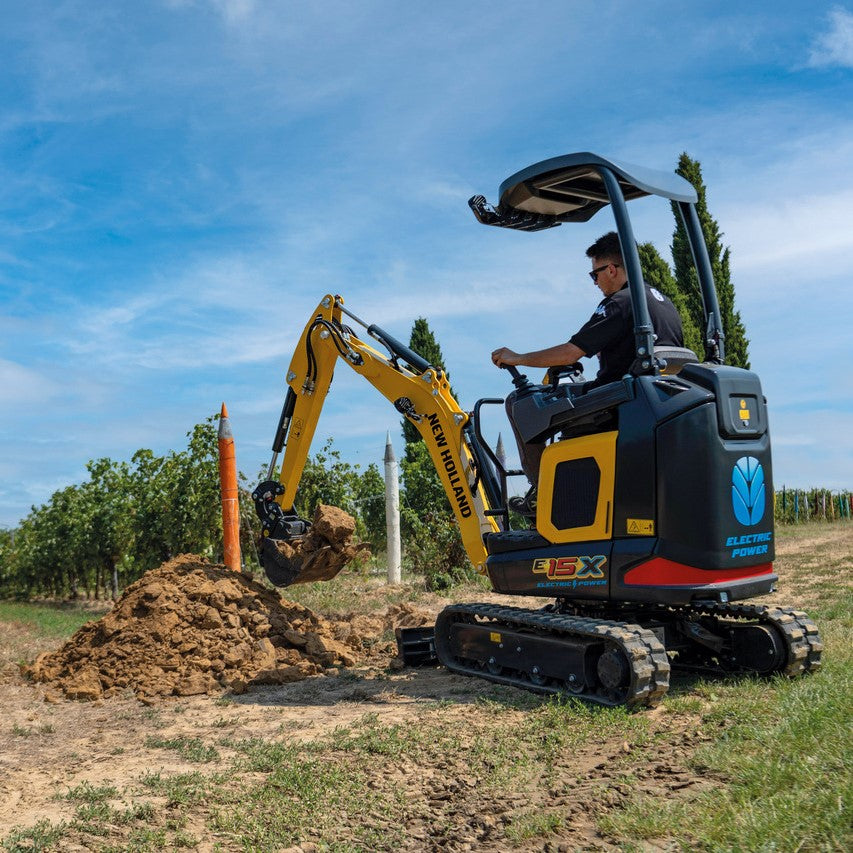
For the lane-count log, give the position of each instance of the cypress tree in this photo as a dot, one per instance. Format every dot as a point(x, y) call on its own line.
point(736, 343)
point(657, 273)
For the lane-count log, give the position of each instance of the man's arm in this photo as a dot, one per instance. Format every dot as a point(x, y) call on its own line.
point(566, 353)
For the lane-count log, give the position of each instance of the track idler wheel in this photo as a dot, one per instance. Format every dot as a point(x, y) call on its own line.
point(614, 671)
point(759, 648)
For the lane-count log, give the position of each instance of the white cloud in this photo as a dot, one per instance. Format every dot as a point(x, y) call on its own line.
point(834, 47)
point(234, 11)
point(21, 385)
point(789, 230)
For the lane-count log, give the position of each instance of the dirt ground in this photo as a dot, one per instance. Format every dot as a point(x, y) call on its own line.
point(49, 744)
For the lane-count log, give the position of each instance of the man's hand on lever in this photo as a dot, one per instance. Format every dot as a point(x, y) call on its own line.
point(505, 356)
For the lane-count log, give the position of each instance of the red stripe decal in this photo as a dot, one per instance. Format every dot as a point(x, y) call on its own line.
point(663, 572)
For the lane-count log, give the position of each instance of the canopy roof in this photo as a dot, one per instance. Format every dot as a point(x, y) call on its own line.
point(570, 189)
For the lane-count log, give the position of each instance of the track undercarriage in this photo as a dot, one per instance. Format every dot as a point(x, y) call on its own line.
point(616, 654)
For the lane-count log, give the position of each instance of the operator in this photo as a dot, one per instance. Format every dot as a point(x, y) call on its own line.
point(609, 333)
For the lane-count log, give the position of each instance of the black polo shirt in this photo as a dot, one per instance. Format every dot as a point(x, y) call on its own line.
point(609, 333)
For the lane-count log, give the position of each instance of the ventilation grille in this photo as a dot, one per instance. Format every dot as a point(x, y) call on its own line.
point(576, 485)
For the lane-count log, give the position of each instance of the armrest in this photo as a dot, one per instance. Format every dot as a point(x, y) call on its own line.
point(675, 358)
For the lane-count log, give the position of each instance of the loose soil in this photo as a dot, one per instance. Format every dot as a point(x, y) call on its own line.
point(209, 652)
point(188, 628)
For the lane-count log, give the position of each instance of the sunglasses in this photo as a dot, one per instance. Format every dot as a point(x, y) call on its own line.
point(594, 273)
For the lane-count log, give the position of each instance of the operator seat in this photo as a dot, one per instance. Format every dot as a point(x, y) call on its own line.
point(559, 413)
point(595, 411)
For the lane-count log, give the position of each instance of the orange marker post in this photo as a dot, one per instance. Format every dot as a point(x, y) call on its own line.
point(230, 495)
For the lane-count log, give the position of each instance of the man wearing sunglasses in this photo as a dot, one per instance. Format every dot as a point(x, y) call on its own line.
point(609, 334)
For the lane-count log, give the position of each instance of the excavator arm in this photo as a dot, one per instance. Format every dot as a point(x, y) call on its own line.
point(418, 390)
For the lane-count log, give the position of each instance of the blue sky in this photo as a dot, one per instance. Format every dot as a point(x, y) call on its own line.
point(181, 182)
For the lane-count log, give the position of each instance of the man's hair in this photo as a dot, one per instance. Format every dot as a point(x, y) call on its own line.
point(606, 248)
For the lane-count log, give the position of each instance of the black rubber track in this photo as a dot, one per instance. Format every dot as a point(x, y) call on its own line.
point(643, 651)
point(803, 645)
point(800, 634)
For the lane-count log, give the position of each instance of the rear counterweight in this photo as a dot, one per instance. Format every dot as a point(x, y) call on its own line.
point(715, 495)
point(714, 532)
point(715, 475)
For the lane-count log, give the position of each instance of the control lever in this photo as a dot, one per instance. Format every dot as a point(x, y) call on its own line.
point(523, 385)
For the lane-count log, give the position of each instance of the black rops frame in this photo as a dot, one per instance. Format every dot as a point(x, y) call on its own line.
point(573, 188)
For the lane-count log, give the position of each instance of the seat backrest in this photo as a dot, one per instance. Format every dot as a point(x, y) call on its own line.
point(675, 358)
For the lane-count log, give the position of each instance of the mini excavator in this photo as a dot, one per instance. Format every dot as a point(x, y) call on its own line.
point(654, 521)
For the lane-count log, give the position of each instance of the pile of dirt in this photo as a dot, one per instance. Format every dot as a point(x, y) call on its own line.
point(191, 627)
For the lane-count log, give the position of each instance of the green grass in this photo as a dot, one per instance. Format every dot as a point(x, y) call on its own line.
point(183, 789)
point(300, 795)
point(777, 756)
point(46, 620)
point(86, 792)
point(43, 836)
point(97, 822)
point(773, 759)
point(145, 839)
point(782, 754)
point(189, 748)
point(370, 737)
point(280, 792)
point(256, 755)
point(535, 824)
point(810, 528)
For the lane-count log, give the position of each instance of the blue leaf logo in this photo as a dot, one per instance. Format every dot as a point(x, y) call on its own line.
point(748, 490)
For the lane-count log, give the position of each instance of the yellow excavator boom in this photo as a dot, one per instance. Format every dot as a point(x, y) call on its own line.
point(418, 390)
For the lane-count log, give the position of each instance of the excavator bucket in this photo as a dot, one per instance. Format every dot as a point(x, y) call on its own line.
point(302, 559)
point(294, 550)
point(282, 568)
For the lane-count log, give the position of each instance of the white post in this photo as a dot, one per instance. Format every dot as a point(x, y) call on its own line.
point(392, 512)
